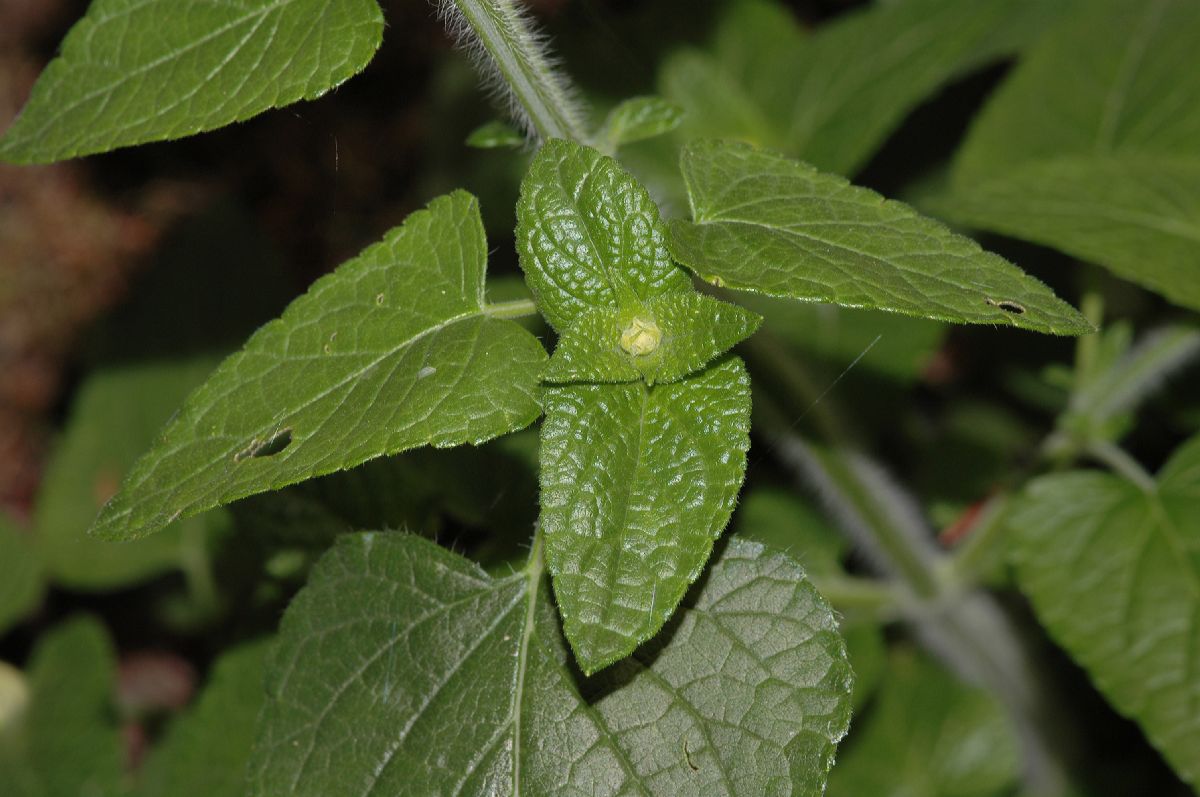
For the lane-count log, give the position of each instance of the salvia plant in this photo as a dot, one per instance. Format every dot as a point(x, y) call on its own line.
point(613, 639)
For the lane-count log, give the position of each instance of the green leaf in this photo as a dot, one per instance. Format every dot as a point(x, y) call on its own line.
point(66, 742)
point(1092, 145)
point(831, 98)
point(590, 236)
point(640, 118)
point(116, 416)
point(495, 135)
point(1138, 216)
point(133, 71)
point(1114, 575)
point(453, 682)
point(21, 575)
point(205, 751)
point(669, 338)
point(394, 350)
point(768, 224)
point(637, 483)
point(928, 735)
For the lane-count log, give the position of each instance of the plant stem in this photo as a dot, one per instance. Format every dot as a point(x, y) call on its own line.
point(497, 33)
point(517, 308)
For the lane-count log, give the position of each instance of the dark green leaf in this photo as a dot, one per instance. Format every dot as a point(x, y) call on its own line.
point(637, 483)
point(768, 224)
point(1093, 145)
point(667, 339)
point(133, 71)
point(833, 97)
point(452, 682)
point(205, 751)
point(394, 350)
point(590, 236)
point(1114, 574)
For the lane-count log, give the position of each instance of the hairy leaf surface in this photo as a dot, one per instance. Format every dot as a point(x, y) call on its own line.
point(394, 350)
point(590, 236)
point(1092, 146)
point(452, 682)
point(765, 223)
point(637, 483)
point(1114, 574)
point(134, 71)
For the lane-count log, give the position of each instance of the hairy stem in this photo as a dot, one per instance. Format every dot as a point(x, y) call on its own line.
point(517, 308)
point(513, 57)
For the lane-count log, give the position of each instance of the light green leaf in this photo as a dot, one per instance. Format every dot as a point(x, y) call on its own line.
point(453, 682)
point(115, 417)
point(768, 224)
point(205, 751)
point(667, 339)
point(1114, 575)
point(928, 735)
point(831, 98)
point(1093, 145)
point(640, 118)
point(637, 483)
point(394, 350)
point(590, 236)
point(1137, 215)
point(495, 135)
point(66, 742)
point(133, 71)
point(21, 575)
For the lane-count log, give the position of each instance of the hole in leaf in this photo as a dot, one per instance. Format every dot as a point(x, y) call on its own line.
point(265, 448)
point(1007, 306)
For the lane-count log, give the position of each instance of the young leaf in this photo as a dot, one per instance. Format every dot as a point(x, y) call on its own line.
point(640, 118)
point(394, 350)
point(494, 135)
point(1093, 145)
point(453, 682)
point(590, 236)
point(21, 577)
point(928, 735)
point(669, 338)
point(1114, 574)
point(637, 483)
point(66, 741)
point(768, 224)
point(133, 71)
point(205, 751)
point(116, 416)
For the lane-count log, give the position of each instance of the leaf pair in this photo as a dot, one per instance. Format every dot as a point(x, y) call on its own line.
point(638, 477)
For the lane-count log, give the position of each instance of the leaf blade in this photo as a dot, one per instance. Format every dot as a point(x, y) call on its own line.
point(1130, 601)
point(218, 64)
point(768, 224)
point(637, 483)
point(532, 728)
point(420, 362)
